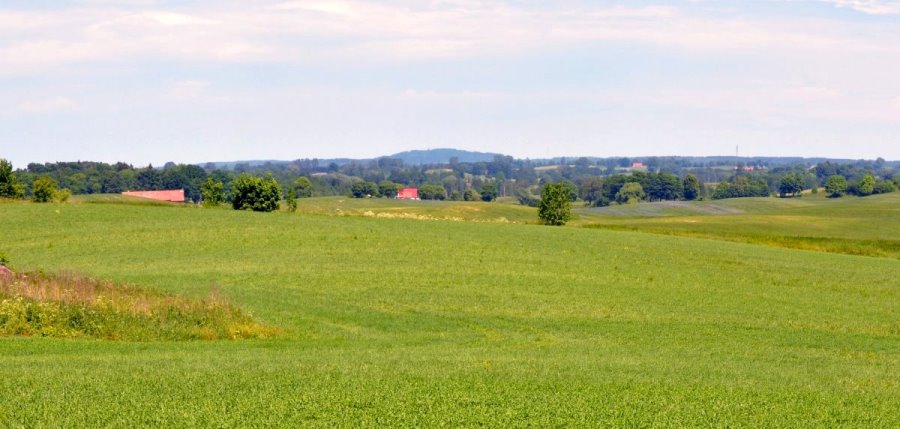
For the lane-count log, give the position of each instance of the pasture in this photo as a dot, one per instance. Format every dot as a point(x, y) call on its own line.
point(437, 321)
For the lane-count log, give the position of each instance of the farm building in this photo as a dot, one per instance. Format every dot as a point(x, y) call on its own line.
point(408, 194)
point(174, 196)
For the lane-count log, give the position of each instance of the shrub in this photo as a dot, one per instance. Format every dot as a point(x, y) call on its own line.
point(62, 195)
point(43, 189)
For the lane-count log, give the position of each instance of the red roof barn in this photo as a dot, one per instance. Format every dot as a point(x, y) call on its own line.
point(174, 196)
point(408, 194)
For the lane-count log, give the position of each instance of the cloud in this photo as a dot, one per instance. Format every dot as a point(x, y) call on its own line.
point(871, 7)
point(346, 32)
point(46, 106)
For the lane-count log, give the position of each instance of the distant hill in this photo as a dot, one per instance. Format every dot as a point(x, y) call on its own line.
point(441, 156)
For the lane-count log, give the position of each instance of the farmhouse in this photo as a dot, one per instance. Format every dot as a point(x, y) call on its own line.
point(408, 194)
point(174, 196)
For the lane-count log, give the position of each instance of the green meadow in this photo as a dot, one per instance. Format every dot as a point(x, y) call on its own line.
point(405, 314)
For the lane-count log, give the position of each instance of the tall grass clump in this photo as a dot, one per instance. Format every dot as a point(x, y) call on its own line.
point(72, 306)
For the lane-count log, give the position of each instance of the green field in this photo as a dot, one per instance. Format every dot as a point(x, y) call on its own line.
point(432, 319)
point(860, 226)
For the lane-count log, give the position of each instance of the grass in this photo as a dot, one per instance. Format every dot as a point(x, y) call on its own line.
point(867, 226)
point(70, 306)
point(401, 322)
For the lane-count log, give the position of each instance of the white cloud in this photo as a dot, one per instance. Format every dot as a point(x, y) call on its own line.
point(872, 7)
point(357, 31)
point(46, 106)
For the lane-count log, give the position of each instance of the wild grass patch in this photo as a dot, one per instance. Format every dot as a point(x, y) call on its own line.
point(72, 306)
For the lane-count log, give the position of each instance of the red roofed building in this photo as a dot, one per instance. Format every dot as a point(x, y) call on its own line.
point(174, 196)
point(408, 194)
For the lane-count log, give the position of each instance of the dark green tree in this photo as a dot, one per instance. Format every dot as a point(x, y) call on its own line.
point(432, 192)
point(43, 189)
point(692, 187)
point(791, 184)
point(835, 186)
point(488, 191)
point(591, 189)
point(388, 189)
point(213, 192)
point(364, 190)
point(9, 186)
point(255, 193)
point(555, 207)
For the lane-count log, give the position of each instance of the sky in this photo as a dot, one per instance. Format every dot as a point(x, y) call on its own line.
point(151, 81)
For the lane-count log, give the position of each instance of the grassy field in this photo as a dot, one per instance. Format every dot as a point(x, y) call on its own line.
point(395, 321)
point(862, 226)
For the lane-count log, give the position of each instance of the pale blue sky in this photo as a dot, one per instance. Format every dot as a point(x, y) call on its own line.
point(188, 81)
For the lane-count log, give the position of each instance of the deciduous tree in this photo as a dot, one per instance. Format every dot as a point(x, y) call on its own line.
point(555, 207)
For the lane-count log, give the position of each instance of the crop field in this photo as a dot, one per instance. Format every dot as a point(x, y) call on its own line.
point(453, 316)
point(862, 226)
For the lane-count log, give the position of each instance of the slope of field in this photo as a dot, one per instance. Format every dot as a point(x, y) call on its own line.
point(399, 322)
point(861, 226)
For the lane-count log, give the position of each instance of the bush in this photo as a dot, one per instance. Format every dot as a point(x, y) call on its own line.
point(43, 189)
point(255, 193)
point(62, 195)
point(473, 195)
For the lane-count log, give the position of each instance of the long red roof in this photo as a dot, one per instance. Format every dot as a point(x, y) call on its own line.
point(175, 196)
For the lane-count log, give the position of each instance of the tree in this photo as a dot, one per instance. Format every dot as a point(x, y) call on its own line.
point(388, 189)
point(866, 185)
point(364, 190)
point(291, 200)
point(630, 193)
point(43, 189)
point(471, 195)
point(835, 185)
point(692, 187)
point(555, 207)
point(213, 193)
point(303, 187)
point(591, 189)
point(488, 192)
point(9, 186)
point(255, 193)
point(791, 184)
point(432, 192)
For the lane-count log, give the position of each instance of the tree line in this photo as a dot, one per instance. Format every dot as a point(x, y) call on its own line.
point(596, 182)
